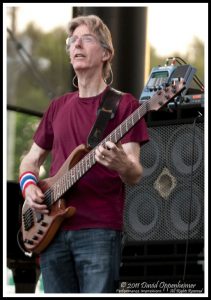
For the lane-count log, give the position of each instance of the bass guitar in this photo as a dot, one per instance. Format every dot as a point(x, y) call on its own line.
point(37, 229)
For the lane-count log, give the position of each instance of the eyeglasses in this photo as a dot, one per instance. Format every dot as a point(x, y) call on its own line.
point(86, 38)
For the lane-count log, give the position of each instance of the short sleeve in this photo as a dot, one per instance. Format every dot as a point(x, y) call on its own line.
point(44, 136)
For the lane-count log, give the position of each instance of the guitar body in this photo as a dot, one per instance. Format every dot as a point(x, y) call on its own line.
point(38, 230)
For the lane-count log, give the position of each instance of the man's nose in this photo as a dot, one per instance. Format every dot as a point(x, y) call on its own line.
point(78, 42)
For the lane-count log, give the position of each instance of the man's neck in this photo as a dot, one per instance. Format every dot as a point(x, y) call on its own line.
point(90, 86)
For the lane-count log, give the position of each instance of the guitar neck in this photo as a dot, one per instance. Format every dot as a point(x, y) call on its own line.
point(118, 133)
point(64, 183)
point(74, 174)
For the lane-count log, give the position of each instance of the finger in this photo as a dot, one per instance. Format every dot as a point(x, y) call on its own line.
point(42, 208)
point(102, 152)
point(38, 200)
point(101, 149)
point(119, 145)
point(36, 203)
point(98, 154)
point(110, 145)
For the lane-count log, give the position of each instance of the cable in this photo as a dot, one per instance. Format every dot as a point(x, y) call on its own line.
point(31, 66)
point(29, 254)
point(191, 193)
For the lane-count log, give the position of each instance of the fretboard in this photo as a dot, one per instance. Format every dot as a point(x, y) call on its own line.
point(64, 183)
point(159, 99)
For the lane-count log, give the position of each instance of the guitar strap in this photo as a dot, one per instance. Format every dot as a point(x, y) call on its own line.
point(106, 111)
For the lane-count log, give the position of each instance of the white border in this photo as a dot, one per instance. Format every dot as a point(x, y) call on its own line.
point(5, 5)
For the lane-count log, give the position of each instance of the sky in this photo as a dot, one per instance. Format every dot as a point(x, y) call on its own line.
point(171, 26)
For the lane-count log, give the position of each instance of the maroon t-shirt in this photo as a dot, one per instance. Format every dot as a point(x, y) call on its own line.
point(99, 195)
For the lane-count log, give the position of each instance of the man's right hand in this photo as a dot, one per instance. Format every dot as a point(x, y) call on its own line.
point(35, 197)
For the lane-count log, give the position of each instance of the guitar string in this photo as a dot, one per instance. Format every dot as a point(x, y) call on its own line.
point(130, 121)
point(122, 127)
point(125, 126)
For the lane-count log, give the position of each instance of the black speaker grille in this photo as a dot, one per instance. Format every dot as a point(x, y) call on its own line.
point(164, 205)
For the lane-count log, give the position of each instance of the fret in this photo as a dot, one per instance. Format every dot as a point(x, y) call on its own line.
point(56, 191)
point(92, 158)
point(65, 183)
point(129, 123)
point(78, 171)
point(132, 120)
point(126, 124)
point(82, 167)
point(115, 136)
point(118, 134)
point(120, 127)
point(92, 154)
point(88, 162)
point(72, 175)
point(69, 180)
point(62, 185)
point(85, 165)
point(139, 116)
point(123, 128)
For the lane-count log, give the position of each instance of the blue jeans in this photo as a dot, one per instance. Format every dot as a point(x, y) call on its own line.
point(82, 261)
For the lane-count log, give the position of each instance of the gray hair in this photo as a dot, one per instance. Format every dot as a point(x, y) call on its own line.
point(96, 26)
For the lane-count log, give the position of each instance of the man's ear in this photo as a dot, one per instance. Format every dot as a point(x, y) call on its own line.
point(106, 55)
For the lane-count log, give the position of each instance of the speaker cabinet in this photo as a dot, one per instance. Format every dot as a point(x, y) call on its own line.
point(168, 203)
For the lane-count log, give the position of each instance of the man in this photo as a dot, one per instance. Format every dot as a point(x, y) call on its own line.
point(85, 254)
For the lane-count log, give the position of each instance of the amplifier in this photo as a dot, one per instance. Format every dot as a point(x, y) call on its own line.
point(162, 75)
point(188, 101)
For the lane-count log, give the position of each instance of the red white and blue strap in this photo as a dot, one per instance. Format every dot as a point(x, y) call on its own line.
point(26, 179)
